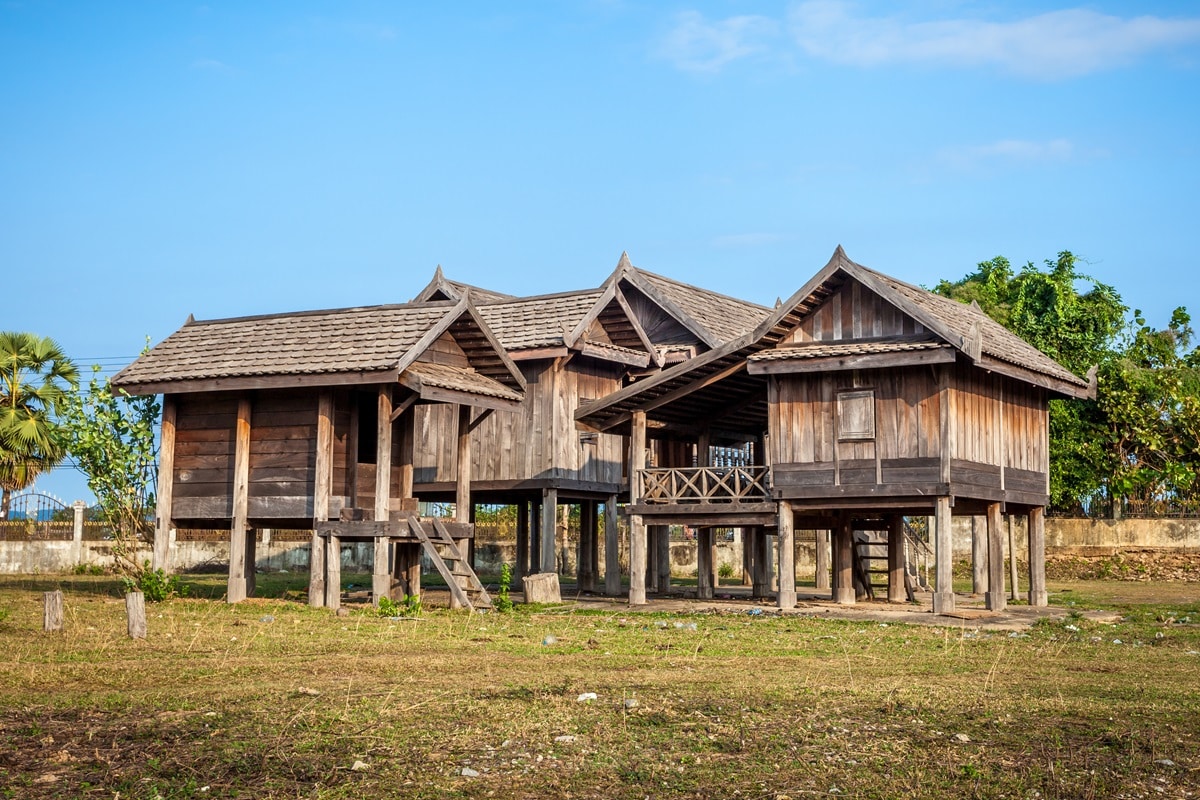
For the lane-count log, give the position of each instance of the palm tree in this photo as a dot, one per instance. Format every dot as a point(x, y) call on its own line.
point(35, 377)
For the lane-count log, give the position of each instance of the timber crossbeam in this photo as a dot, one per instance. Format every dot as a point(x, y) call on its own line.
point(397, 529)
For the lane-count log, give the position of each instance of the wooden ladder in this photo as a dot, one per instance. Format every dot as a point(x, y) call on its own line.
point(454, 567)
point(868, 553)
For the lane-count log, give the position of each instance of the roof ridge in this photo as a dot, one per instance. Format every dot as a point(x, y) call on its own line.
point(415, 306)
point(694, 287)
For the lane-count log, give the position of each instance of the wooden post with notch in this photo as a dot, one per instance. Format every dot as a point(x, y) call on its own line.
point(381, 573)
point(236, 591)
point(322, 490)
point(786, 596)
point(166, 486)
point(637, 528)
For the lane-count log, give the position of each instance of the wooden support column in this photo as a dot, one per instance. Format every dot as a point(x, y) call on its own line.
point(236, 591)
point(549, 528)
point(662, 545)
point(588, 553)
point(996, 600)
point(333, 571)
point(406, 558)
point(535, 536)
point(166, 486)
point(612, 548)
point(521, 569)
point(251, 561)
point(786, 597)
point(322, 490)
point(1037, 557)
point(704, 564)
point(462, 484)
point(943, 595)
point(843, 563)
point(381, 579)
point(747, 536)
point(637, 528)
point(760, 569)
point(1013, 593)
point(896, 592)
point(979, 555)
point(822, 559)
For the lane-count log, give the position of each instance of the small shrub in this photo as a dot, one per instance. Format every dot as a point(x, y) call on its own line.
point(411, 605)
point(503, 603)
point(725, 570)
point(155, 584)
point(388, 607)
point(88, 569)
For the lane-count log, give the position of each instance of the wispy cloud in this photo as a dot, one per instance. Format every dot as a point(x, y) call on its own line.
point(212, 65)
point(1057, 44)
point(1054, 45)
point(696, 44)
point(1007, 153)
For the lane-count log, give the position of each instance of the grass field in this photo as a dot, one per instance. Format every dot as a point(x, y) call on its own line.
point(270, 699)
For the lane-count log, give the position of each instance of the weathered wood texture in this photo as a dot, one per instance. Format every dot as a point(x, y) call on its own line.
point(135, 615)
point(52, 610)
point(854, 312)
point(539, 440)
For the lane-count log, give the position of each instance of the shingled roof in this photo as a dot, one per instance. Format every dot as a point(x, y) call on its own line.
point(442, 288)
point(965, 328)
point(541, 321)
point(714, 318)
point(341, 346)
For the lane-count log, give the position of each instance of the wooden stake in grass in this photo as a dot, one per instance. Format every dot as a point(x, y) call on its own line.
point(135, 610)
point(52, 614)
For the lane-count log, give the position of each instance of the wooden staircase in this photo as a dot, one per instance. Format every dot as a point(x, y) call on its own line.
point(453, 565)
point(870, 562)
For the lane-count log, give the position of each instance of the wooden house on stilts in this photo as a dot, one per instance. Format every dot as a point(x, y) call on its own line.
point(870, 399)
point(308, 421)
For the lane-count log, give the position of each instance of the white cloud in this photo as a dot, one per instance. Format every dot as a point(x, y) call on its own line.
point(1011, 152)
point(697, 45)
point(1057, 44)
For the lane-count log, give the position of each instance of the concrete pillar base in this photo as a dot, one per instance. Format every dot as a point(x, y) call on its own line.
point(845, 596)
point(236, 592)
point(1040, 599)
point(786, 599)
point(996, 601)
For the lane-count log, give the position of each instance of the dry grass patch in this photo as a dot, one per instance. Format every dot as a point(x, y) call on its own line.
point(270, 699)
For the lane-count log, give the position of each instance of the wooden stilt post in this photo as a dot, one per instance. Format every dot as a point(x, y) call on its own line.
point(52, 611)
point(943, 595)
point(521, 569)
point(759, 577)
point(381, 577)
point(236, 591)
point(637, 528)
point(166, 486)
point(333, 571)
point(980, 544)
point(896, 592)
point(588, 550)
point(135, 614)
point(786, 596)
point(462, 493)
point(822, 560)
point(612, 548)
point(704, 564)
point(535, 536)
point(251, 561)
point(1013, 592)
point(549, 560)
point(662, 541)
point(996, 600)
point(322, 492)
point(747, 537)
point(843, 563)
point(406, 557)
point(1037, 557)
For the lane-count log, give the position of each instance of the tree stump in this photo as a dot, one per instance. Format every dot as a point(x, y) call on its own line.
point(542, 588)
point(52, 611)
point(135, 610)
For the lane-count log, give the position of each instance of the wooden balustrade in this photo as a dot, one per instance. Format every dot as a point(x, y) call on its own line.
point(706, 485)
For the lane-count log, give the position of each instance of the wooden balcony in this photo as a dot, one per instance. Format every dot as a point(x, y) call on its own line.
point(703, 485)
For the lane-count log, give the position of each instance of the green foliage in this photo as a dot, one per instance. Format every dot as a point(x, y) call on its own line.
point(411, 604)
point(725, 571)
point(155, 584)
point(1140, 438)
point(503, 603)
point(35, 379)
point(111, 436)
point(387, 607)
point(87, 569)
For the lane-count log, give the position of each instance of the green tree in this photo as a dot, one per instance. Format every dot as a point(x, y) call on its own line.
point(35, 380)
point(1076, 320)
point(111, 434)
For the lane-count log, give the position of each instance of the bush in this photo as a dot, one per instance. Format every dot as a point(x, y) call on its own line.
point(155, 584)
point(503, 602)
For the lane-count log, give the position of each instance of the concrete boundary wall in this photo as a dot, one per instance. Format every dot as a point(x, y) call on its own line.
point(1063, 536)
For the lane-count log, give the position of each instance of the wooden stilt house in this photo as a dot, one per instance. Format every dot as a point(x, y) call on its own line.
point(871, 399)
point(307, 420)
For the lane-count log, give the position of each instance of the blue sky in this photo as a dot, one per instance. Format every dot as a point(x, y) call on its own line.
point(159, 159)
